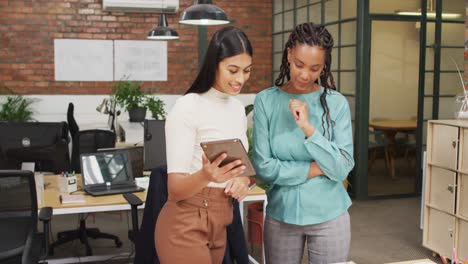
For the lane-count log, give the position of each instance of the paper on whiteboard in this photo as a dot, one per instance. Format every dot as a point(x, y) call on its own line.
point(83, 60)
point(139, 60)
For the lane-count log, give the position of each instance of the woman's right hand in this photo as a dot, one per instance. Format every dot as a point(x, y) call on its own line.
point(214, 173)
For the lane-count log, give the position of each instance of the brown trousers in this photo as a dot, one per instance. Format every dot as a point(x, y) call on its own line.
point(194, 230)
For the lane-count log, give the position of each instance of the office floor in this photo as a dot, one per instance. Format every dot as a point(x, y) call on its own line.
point(382, 231)
point(115, 223)
point(380, 183)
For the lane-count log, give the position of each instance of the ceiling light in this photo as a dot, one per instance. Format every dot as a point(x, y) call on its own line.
point(162, 31)
point(203, 12)
point(430, 12)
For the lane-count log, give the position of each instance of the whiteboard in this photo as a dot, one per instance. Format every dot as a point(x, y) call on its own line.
point(139, 60)
point(83, 60)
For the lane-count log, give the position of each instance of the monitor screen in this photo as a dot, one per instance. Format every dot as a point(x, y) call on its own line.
point(136, 157)
point(106, 168)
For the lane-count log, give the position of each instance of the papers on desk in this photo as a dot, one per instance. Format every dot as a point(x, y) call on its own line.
point(72, 198)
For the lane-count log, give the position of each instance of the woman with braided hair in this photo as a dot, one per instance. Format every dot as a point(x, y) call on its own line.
point(303, 148)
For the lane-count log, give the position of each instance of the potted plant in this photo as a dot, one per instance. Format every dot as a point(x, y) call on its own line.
point(16, 108)
point(128, 95)
point(156, 107)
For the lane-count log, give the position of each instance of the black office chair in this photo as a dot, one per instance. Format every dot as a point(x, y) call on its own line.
point(85, 141)
point(20, 241)
point(89, 141)
point(72, 125)
point(145, 253)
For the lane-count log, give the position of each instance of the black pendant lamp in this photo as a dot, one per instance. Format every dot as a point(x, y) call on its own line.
point(162, 32)
point(203, 12)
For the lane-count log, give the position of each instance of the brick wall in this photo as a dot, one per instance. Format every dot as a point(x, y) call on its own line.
point(28, 29)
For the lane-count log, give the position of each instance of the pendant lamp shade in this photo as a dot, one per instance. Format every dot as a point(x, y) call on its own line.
point(203, 12)
point(162, 31)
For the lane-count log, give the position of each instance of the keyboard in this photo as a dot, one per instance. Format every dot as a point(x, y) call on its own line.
point(116, 189)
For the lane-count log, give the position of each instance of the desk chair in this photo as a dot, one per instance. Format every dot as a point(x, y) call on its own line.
point(236, 247)
point(85, 141)
point(377, 142)
point(408, 143)
point(21, 242)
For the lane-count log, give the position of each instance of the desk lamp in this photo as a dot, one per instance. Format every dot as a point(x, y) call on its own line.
point(108, 106)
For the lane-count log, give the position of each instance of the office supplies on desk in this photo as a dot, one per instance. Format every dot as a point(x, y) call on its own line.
point(67, 182)
point(106, 173)
point(72, 198)
point(29, 166)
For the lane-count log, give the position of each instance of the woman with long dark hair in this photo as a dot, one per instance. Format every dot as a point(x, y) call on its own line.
point(303, 148)
point(191, 227)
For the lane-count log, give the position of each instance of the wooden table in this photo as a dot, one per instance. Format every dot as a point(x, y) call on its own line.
point(418, 261)
point(104, 203)
point(114, 202)
point(390, 128)
point(256, 194)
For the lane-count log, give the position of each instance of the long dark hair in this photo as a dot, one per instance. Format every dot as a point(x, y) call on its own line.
point(225, 43)
point(312, 35)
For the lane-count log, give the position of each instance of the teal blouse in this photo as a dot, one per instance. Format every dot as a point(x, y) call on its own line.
point(282, 156)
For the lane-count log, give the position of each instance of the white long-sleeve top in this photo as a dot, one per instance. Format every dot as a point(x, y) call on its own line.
point(199, 118)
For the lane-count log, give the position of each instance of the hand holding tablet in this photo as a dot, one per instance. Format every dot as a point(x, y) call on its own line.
point(234, 150)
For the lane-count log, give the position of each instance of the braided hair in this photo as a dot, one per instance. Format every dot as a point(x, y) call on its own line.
point(312, 35)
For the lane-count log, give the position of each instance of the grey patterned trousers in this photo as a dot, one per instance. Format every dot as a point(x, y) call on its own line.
point(327, 242)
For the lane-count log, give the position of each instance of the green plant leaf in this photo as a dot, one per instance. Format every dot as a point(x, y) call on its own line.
point(128, 94)
point(248, 109)
point(17, 108)
point(156, 107)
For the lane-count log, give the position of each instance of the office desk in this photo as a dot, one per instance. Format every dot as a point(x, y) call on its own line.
point(390, 128)
point(418, 261)
point(105, 203)
point(92, 204)
point(115, 203)
point(255, 194)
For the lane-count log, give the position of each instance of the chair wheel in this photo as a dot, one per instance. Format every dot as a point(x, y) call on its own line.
point(118, 243)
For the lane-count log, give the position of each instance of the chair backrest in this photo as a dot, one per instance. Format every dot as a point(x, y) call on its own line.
point(73, 126)
point(377, 139)
point(154, 144)
point(155, 199)
point(89, 141)
point(18, 212)
point(157, 193)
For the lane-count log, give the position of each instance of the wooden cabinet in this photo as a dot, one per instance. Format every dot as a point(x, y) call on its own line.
point(446, 188)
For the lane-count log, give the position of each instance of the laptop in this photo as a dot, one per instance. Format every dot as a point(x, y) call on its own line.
point(136, 158)
point(107, 173)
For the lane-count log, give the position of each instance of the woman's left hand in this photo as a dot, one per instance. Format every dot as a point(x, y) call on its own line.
point(238, 188)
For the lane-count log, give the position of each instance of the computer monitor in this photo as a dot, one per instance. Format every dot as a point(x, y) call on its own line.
point(136, 156)
point(44, 143)
point(106, 168)
point(154, 143)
